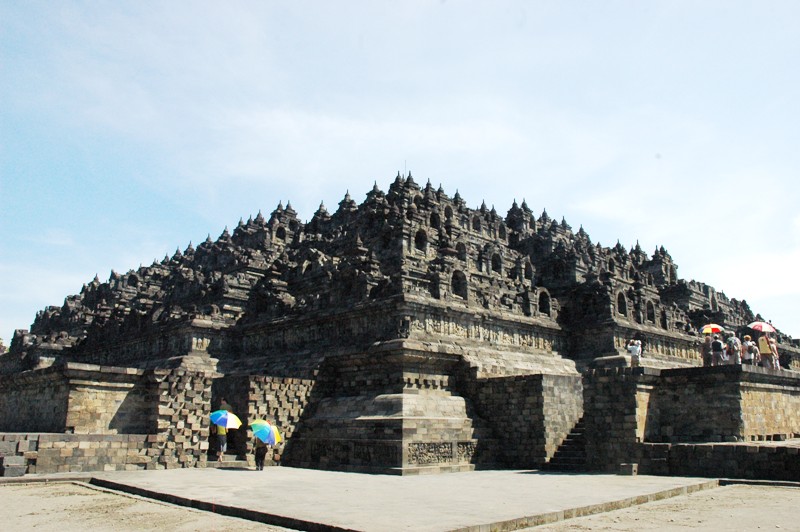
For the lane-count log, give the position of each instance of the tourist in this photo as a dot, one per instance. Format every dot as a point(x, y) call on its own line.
point(765, 352)
point(222, 440)
point(223, 405)
point(733, 350)
point(221, 431)
point(260, 450)
point(635, 351)
point(717, 351)
point(705, 350)
point(776, 359)
point(749, 351)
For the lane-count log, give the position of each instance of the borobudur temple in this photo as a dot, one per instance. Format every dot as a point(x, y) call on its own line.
point(404, 334)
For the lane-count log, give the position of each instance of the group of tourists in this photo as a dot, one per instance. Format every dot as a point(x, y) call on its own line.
point(260, 447)
point(720, 350)
point(732, 350)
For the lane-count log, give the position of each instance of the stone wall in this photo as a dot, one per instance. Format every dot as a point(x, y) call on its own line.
point(770, 405)
point(634, 414)
point(182, 419)
point(725, 403)
point(76, 398)
point(65, 453)
point(612, 401)
point(408, 409)
point(353, 418)
point(281, 401)
point(107, 400)
point(396, 408)
point(170, 407)
point(34, 401)
point(745, 461)
point(530, 414)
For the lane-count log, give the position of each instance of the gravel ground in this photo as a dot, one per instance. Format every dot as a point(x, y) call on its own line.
point(729, 508)
point(64, 507)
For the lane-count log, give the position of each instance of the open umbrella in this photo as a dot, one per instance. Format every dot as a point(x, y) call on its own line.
point(226, 419)
point(265, 431)
point(762, 326)
point(711, 328)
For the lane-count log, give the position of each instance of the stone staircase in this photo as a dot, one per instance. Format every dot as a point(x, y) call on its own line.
point(571, 454)
point(229, 461)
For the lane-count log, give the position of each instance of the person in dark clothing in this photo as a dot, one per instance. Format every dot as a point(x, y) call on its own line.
point(260, 448)
point(717, 351)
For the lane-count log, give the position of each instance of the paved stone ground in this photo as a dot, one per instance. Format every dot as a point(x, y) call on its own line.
point(64, 507)
point(326, 500)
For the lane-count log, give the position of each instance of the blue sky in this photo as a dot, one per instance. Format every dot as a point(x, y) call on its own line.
point(129, 129)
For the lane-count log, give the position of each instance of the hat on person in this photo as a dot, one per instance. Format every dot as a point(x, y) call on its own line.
point(716, 337)
point(747, 337)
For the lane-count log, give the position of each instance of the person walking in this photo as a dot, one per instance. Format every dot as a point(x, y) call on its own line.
point(260, 449)
point(733, 350)
point(765, 352)
point(749, 351)
point(776, 359)
point(705, 351)
point(717, 351)
point(222, 431)
point(222, 440)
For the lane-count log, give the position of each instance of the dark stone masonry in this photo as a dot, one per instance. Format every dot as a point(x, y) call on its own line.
point(407, 334)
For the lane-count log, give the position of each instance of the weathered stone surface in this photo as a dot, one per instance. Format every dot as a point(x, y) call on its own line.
point(405, 333)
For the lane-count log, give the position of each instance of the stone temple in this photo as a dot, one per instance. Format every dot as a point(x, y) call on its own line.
point(405, 334)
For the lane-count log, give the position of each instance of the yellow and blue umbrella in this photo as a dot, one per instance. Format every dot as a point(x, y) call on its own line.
point(226, 419)
point(265, 431)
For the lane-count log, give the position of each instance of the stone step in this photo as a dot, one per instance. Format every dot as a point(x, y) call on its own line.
point(571, 449)
point(565, 467)
point(228, 462)
point(569, 460)
point(570, 453)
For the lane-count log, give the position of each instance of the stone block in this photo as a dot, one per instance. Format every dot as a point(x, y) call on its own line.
point(15, 460)
point(631, 469)
point(13, 471)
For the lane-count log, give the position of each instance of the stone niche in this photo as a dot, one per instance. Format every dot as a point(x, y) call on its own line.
point(394, 409)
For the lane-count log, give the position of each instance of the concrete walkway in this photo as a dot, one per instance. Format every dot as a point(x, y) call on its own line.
point(306, 499)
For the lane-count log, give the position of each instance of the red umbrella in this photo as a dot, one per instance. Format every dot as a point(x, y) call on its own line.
point(711, 328)
point(761, 326)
